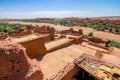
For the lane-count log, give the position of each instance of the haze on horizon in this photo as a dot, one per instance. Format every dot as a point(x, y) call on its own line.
point(58, 8)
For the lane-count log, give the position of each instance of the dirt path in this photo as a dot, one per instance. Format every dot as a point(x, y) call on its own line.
point(104, 35)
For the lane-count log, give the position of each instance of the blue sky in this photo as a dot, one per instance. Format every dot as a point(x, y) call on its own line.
point(58, 8)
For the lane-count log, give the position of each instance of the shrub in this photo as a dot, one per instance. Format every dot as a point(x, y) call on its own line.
point(90, 34)
point(112, 43)
point(6, 28)
point(84, 36)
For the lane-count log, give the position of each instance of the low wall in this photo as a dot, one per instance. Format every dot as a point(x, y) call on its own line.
point(71, 31)
point(35, 47)
point(98, 45)
point(3, 37)
point(97, 40)
point(61, 45)
point(70, 74)
point(19, 34)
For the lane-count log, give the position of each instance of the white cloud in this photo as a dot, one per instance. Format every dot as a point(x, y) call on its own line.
point(56, 14)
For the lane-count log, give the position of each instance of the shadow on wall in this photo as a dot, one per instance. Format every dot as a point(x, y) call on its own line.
point(35, 47)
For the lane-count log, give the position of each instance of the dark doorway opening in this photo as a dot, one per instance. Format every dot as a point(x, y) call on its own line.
point(83, 75)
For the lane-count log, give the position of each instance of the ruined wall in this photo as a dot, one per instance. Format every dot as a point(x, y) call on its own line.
point(97, 40)
point(20, 32)
point(2, 36)
point(13, 60)
point(35, 47)
point(17, 34)
point(45, 30)
point(71, 31)
point(71, 73)
point(47, 38)
point(65, 31)
point(52, 33)
point(15, 64)
point(99, 45)
point(78, 40)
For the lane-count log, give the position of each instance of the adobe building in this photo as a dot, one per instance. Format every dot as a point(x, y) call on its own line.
point(67, 56)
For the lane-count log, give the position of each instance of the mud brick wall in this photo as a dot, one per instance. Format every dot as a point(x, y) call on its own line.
point(52, 33)
point(20, 32)
point(65, 31)
point(45, 30)
point(41, 29)
point(3, 37)
point(78, 40)
point(13, 61)
point(99, 45)
point(71, 31)
point(35, 47)
point(71, 74)
point(80, 32)
point(17, 65)
point(97, 40)
point(47, 38)
point(65, 44)
point(38, 29)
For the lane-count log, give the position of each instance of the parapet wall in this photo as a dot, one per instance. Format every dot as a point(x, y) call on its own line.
point(61, 43)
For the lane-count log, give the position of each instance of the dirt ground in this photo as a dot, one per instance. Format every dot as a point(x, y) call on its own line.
point(104, 35)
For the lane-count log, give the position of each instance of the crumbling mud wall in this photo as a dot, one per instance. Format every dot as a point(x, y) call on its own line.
point(2, 36)
point(77, 40)
point(15, 64)
point(34, 47)
point(47, 38)
point(34, 72)
point(97, 40)
point(13, 61)
point(45, 30)
point(73, 32)
point(21, 32)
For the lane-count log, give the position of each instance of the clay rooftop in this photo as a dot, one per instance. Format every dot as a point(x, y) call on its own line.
point(55, 62)
point(24, 38)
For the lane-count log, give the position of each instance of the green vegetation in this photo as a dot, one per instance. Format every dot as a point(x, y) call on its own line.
point(32, 20)
point(97, 26)
point(52, 21)
point(84, 36)
point(112, 43)
point(90, 34)
point(6, 28)
point(104, 26)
